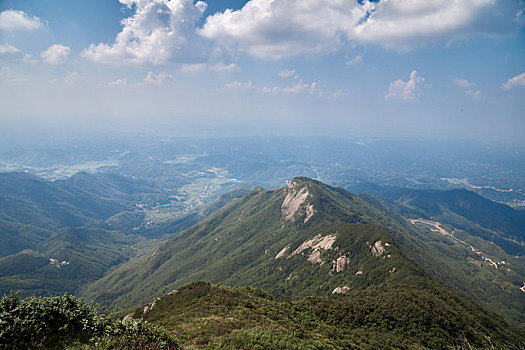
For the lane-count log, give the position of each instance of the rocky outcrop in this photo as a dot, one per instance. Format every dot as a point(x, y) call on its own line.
point(294, 200)
point(310, 211)
point(341, 290)
point(282, 252)
point(315, 257)
point(377, 249)
point(341, 263)
point(317, 242)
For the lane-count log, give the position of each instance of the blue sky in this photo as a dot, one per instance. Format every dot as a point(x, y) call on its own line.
point(403, 67)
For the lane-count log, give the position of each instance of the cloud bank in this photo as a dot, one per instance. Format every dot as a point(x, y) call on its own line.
point(280, 28)
point(19, 20)
point(164, 31)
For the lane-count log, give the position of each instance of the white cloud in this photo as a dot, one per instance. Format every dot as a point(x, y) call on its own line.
point(8, 49)
point(354, 61)
point(517, 81)
point(238, 85)
point(298, 88)
point(338, 94)
point(221, 67)
point(122, 81)
point(72, 77)
point(19, 20)
point(280, 28)
point(56, 54)
point(160, 31)
point(404, 24)
point(463, 83)
point(405, 91)
point(29, 59)
point(200, 67)
point(286, 73)
point(192, 68)
point(158, 79)
point(474, 94)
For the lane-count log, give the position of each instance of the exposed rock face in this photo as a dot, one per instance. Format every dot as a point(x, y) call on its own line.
point(127, 318)
point(310, 211)
point(523, 288)
point(341, 290)
point(315, 257)
point(148, 308)
point(317, 242)
point(341, 263)
point(282, 252)
point(377, 249)
point(359, 273)
point(293, 201)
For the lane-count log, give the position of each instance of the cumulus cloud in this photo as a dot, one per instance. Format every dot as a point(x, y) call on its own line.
point(192, 68)
point(338, 94)
point(56, 54)
point(405, 91)
point(122, 81)
point(158, 79)
point(464, 83)
point(517, 81)
point(238, 85)
point(297, 88)
point(8, 49)
point(222, 67)
point(160, 31)
point(474, 94)
point(72, 77)
point(19, 20)
point(286, 73)
point(280, 28)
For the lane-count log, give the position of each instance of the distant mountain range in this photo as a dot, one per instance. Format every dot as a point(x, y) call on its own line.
point(306, 240)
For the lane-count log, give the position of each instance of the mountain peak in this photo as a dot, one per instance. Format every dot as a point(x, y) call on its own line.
point(296, 203)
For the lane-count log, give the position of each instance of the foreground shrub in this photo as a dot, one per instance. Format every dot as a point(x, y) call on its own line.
point(65, 321)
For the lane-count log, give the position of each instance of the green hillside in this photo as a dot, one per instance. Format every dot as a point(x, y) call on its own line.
point(254, 241)
point(417, 315)
point(241, 245)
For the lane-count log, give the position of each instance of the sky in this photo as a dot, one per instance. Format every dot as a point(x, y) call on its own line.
point(435, 68)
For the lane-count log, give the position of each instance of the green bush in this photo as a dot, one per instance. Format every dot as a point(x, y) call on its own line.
point(65, 321)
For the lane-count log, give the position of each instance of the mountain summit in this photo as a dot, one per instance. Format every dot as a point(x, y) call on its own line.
point(304, 239)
